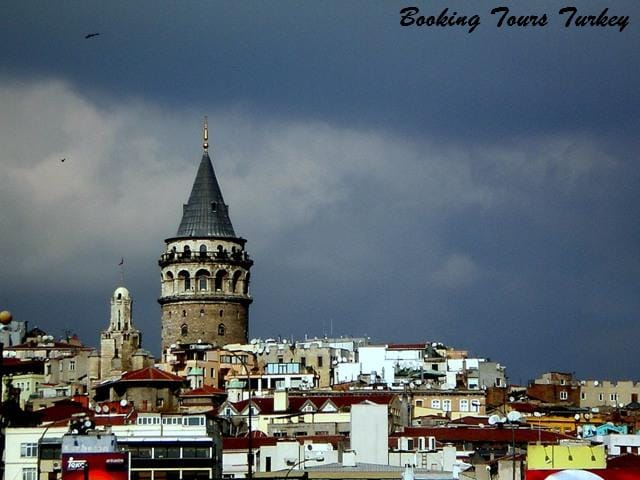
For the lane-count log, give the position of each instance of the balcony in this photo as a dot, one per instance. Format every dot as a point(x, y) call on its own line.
point(234, 258)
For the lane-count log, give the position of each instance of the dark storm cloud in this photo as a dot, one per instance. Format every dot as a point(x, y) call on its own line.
point(406, 183)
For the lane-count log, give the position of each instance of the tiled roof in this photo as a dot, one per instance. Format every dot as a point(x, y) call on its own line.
point(265, 405)
point(61, 410)
point(487, 434)
point(206, 214)
point(204, 391)
point(150, 374)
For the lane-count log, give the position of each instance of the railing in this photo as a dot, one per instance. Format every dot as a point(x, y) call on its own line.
point(189, 256)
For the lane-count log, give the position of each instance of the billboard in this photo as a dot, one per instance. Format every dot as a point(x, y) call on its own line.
point(95, 466)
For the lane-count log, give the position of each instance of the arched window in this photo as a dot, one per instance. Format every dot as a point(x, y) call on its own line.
point(186, 280)
point(221, 313)
point(203, 279)
point(184, 330)
point(202, 312)
point(246, 283)
point(221, 276)
point(169, 280)
point(187, 252)
point(221, 330)
point(184, 313)
point(235, 280)
point(203, 251)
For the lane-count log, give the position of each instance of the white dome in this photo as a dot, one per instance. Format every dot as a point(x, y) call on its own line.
point(121, 292)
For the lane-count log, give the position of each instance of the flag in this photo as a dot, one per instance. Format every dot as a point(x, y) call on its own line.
point(121, 261)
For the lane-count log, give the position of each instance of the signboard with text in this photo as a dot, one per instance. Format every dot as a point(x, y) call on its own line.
point(95, 466)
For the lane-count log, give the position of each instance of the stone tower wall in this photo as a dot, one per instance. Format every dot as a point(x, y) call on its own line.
point(205, 322)
point(213, 304)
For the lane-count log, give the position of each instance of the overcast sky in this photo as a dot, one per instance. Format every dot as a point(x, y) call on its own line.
point(407, 183)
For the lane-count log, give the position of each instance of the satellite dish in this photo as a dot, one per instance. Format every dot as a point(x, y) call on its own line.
point(88, 423)
point(98, 408)
point(537, 414)
point(105, 408)
point(123, 402)
point(595, 383)
point(514, 416)
point(576, 416)
point(494, 419)
point(512, 399)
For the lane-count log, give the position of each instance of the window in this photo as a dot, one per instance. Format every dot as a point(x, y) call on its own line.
point(303, 361)
point(159, 402)
point(446, 405)
point(564, 395)
point(50, 452)
point(166, 452)
point(435, 403)
point(196, 452)
point(72, 366)
point(583, 396)
point(464, 405)
point(475, 405)
point(419, 403)
point(29, 474)
point(319, 362)
point(28, 449)
point(221, 330)
point(140, 452)
point(613, 397)
point(601, 396)
point(202, 282)
point(184, 330)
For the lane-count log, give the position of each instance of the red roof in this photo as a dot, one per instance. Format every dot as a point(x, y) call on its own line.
point(61, 410)
point(265, 405)
point(487, 434)
point(242, 443)
point(407, 346)
point(205, 391)
point(628, 461)
point(150, 374)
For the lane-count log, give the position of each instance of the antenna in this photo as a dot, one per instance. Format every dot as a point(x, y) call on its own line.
point(205, 133)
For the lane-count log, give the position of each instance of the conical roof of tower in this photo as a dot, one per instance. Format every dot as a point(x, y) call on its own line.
point(206, 214)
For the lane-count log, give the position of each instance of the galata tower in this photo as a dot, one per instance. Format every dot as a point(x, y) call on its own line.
point(205, 270)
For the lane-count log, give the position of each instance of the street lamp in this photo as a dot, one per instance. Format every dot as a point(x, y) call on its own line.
point(318, 458)
point(249, 416)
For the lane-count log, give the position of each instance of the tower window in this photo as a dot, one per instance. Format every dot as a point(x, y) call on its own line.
point(221, 330)
point(202, 312)
point(235, 280)
point(203, 251)
point(119, 296)
point(184, 330)
point(214, 206)
point(221, 313)
point(186, 280)
point(184, 313)
point(187, 252)
point(221, 276)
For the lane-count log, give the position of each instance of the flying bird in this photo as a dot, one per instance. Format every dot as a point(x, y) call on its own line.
point(91, 35)
point(62, 160)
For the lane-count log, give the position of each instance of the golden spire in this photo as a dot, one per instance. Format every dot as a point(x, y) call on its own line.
point(205, 134)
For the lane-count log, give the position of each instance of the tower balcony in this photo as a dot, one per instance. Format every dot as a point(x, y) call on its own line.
point(199, 296)
point(241, 259)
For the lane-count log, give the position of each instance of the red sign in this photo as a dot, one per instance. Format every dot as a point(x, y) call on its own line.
point(606, 474)
point(95, 466)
